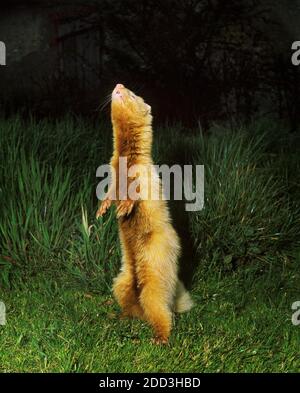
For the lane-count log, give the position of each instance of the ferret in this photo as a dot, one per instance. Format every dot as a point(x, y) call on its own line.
point(147, 286)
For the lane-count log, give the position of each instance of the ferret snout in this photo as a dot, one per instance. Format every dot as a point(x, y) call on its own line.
point(118, 90)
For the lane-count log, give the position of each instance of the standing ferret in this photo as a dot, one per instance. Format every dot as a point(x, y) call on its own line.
point(147, 286)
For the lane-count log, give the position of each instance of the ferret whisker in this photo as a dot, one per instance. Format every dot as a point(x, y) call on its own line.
point(106, 100)
point(102, 105)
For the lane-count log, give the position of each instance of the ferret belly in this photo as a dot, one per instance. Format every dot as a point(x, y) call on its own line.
point(150, 245)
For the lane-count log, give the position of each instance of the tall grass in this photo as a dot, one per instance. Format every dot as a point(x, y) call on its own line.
point(48, 202)
point(249, 215)
point(47, 180)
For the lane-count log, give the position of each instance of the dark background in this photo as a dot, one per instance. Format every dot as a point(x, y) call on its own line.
point(193, 60)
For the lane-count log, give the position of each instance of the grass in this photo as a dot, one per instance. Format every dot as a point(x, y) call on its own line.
point(57, 262)
point(237, 325)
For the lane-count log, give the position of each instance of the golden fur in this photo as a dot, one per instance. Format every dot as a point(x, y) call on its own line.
point(147, 286)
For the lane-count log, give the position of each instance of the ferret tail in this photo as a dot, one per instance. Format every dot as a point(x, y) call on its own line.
point(183, 300)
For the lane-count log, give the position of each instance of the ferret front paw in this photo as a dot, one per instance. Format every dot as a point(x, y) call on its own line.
point(105, 205)
point(125, 208)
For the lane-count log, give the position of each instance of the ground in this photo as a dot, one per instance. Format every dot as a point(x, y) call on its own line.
point(238, 323)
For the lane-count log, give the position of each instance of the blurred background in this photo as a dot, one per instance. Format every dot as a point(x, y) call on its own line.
point(192, 60)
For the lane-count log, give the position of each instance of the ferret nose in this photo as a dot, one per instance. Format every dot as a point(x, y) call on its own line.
point(120, 86)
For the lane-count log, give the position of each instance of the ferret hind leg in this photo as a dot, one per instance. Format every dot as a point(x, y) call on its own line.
point(126, 294)
point(158, 277)
point(125, 288)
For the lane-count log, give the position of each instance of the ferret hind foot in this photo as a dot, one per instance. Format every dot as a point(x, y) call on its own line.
point(134, 311)
point(160, 340)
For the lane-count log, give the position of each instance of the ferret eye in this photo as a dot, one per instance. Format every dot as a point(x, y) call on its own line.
point(132, 95)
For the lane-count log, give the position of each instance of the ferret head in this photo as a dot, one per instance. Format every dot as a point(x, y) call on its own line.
point(128, 108)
